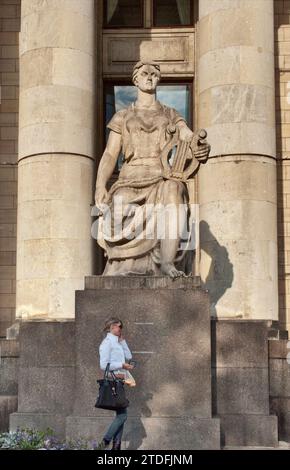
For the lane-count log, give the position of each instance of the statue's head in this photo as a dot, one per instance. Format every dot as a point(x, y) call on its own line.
point(146, 76)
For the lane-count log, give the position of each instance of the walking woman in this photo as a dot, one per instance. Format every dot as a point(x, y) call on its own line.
point(114, 350)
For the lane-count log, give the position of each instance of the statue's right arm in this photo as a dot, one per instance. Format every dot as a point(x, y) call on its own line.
point(107, 166)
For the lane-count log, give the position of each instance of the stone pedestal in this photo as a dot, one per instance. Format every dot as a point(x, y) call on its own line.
point(279, 371)
point(46, 376)
point(201, 383)
point(240, 374)
point(167, 326)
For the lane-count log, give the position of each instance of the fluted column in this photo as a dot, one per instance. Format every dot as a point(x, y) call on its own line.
point(237, 187)
point(56, 155)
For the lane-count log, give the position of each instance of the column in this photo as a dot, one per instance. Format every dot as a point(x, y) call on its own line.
point(237, 187)
point(56, 156)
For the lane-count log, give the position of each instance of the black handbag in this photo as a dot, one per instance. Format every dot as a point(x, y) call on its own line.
point(112, 394)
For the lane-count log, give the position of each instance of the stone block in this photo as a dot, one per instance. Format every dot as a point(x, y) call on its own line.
point(10, 106)
point(5, 286)
point(4, 325)
point(9, 348)
point(9, 93)
point(240, 343)
point(7, 300)
point(7, 216)
point(46, 390)
point(82, 8)
point(50, 104)
point(7, 272)
point(46, 377)
point(47, 344)
point(12, 332)
point(8, 404)
point(9, 376)
point(40, 421)
point(7, 11)
point(8, 38)
point(7, 119)
point(141, 282)
point(242, 391)
point(279, 349)
point(9, 133)
point(7, 244)
point(281, 408)
point(279, 374)
point(7, 65)
point(11, 24)
point(6, 202)
point(249, 430)
point(55, 28)
point(6, 314)
point(167, 326)
point(160, 326)
point(151, 433)
point(10, 78)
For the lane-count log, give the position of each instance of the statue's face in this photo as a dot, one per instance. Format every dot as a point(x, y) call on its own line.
point(147, 78)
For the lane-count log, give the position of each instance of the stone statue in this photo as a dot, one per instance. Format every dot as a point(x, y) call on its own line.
point(160, 152)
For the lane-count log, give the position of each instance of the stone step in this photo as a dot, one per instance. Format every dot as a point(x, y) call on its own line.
point(9, 363)
point(8, 405)
point(281, 446)
point(9, 348)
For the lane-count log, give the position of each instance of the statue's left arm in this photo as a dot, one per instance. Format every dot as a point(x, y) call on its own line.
point(185, 134)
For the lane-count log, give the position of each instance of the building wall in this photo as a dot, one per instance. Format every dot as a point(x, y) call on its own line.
point(282, 71)
point(9, 72)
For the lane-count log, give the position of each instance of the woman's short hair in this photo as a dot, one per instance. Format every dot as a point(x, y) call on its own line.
point(140, 64)
point(111, 321)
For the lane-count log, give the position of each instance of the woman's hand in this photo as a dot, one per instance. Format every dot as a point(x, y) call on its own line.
point(101, 197)
point(202, 152)
point(127, 366)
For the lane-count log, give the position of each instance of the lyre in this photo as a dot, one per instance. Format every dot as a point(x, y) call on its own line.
point(180, 169)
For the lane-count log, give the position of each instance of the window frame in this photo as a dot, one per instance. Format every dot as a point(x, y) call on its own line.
point(147, 17)
point(142, 18)
point(153, 9)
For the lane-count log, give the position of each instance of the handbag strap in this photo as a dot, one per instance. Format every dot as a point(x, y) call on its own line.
point(107, 370)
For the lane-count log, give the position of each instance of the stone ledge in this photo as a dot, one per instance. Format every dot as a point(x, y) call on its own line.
point(152, 433)
point(8, 404)
point(40, 421)
point(9, 348)
point(141, 282)
point(278, 349)
point(249, 430)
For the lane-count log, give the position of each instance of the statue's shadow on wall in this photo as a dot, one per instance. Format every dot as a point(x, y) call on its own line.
point(221, 273)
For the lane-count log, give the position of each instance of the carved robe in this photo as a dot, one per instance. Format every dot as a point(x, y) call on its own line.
point(133, 246)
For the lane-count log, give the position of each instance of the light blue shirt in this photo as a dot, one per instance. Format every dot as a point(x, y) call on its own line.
point(113, 351)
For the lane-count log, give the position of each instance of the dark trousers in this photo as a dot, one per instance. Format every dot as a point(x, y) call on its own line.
point(115, 430)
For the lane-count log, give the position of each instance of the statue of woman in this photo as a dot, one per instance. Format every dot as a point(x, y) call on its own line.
point(141, 132)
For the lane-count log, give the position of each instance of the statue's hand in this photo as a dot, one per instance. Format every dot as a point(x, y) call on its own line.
point(101, 197)
point(185, 134)
point(202, 152)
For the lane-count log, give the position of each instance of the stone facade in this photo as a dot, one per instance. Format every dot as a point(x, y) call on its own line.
point(282, 73)
point(239, 54)
point(10, 25)
point(9, 79)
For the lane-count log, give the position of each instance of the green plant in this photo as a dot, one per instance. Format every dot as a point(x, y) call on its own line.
point(32, 439)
